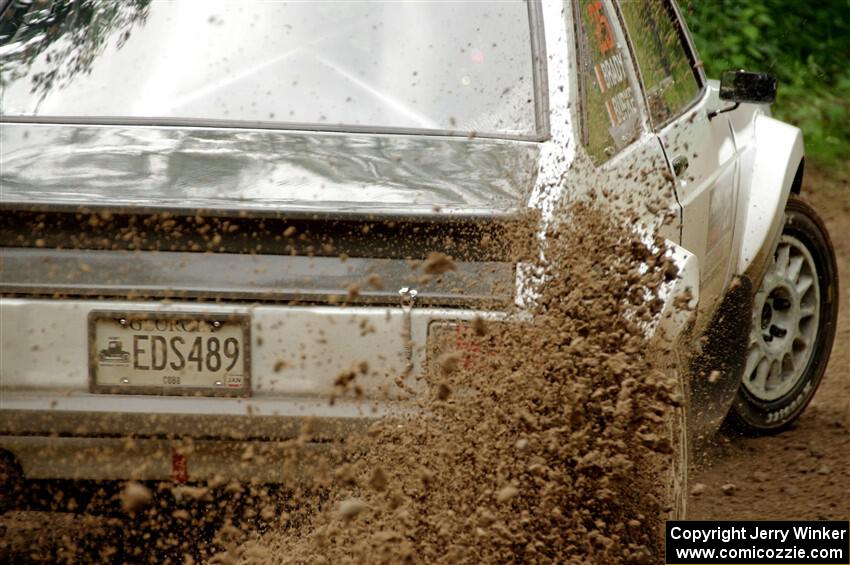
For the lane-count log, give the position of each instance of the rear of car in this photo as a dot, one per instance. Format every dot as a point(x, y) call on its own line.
point(219, 239)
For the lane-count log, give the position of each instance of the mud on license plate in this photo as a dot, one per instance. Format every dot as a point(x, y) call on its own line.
point(169, 353)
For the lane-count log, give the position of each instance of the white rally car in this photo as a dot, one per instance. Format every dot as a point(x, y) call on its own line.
point(208, 209)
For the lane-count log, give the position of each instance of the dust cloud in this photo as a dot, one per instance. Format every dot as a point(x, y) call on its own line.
point(543, 440)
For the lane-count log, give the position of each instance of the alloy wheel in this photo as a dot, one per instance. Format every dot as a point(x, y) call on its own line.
point(785, 322)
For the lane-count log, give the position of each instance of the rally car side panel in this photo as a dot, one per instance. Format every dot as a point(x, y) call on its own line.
point(770, 154)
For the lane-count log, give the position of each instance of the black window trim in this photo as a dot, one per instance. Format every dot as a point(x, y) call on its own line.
point(584, 132)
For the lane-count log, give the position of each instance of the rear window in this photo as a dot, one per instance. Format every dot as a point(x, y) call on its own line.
point(449, 66)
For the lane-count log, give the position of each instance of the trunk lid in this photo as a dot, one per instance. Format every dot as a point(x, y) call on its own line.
point(262, 171)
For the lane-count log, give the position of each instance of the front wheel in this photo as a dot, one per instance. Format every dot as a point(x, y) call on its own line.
point(793, 326)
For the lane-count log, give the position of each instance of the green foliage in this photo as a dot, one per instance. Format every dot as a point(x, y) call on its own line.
point(806, 44)
point(73, 32)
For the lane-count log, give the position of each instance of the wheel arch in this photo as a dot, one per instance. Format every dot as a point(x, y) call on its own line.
point(777, 171)
point(797, 184)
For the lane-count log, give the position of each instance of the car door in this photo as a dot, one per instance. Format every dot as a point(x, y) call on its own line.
point(627, 164)
point(699, 148)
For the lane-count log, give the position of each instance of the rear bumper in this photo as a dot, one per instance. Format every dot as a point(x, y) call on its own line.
point(100, 415)
point(297, 352)
point(56, 427)
point(85, 436)
point(216, 461)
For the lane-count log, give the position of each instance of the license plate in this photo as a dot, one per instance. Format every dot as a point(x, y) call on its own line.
point(173, 353)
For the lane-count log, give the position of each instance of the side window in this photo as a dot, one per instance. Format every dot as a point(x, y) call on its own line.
point(668, 77)
point(610, 118)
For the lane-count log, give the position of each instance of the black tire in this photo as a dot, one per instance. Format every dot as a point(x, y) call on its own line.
point(754, 416)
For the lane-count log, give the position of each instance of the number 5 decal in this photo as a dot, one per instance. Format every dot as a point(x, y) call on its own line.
point(601, 30)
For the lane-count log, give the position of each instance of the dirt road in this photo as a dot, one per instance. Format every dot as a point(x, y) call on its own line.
point(803, 473)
